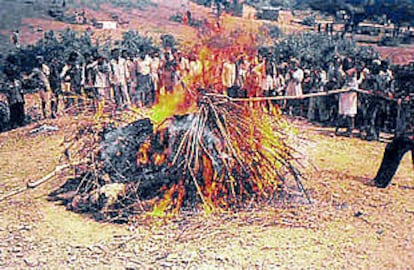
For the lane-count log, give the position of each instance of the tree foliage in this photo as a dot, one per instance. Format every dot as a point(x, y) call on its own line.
point(135, 43)
point(398, 11)
point(316, 49)
point(60, 45)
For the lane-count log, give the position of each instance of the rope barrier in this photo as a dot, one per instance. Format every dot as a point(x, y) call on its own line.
point(310, 95)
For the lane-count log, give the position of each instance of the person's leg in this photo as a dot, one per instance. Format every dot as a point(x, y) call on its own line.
point(67, 101)
point(394, 152)
point(43, 98)
point(20, 113)
point(339, 123)
point(54, 102)
point(152, 92)
point(311, 109)
point(126, 100)
point(323, 110)
point(117, 96)
point(350, 120)
point(13, 109)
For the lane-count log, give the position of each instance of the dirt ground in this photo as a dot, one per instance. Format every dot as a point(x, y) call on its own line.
point(349, 225)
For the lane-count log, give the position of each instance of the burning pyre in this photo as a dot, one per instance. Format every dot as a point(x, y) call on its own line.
point(196, 149)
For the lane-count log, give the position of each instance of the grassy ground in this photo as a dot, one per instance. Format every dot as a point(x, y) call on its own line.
point(350, 225)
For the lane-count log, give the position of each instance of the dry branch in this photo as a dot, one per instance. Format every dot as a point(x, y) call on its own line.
point(47, 177)
point(31, 185)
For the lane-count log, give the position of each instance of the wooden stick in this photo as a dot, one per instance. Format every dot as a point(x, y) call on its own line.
point(310, 95)
point(319, 94)
point(35, 184)
point(47, 177)
point(12, 193)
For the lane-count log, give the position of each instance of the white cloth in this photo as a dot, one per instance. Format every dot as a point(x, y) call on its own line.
point(155, 65)
point(144, 65)
point(228, 76)
point(348, 104)
point(294, 87)
point(268, 83)
point(119, 71)
point(195, 68)
point(101, 78)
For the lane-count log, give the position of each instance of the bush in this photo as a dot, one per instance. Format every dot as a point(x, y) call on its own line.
point(316, 49)
point(135, 43)
point(309, 21)
point(274, 31)
point(390, 41)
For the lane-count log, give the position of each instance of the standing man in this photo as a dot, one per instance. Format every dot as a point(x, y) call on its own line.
point(155, 70)
point(40, 75)
point(228, 77)
point(294, 85)
point(336, 79)
point(145, 90)
point(15, 39)
point(55, 85)
point(317, 105)
point(348, 102)
point(101, 83)
point(169, 71)
point(73, 76)
point(119, 75)
point(14, 92)
point(402, 143)
point(131, 74)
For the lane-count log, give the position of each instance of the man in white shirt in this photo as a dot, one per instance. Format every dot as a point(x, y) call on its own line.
point(294, 86)
point(155, 71)
point(145, 91)
point(228, 77)
point(119, 75)
point(41, 75)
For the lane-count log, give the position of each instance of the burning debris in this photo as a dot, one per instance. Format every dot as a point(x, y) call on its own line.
point(196, 149)
point(223, 155)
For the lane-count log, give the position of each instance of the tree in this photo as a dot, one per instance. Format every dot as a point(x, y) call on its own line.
point(398, 11)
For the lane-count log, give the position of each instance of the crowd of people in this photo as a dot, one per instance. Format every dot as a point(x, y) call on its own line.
point(372, 109)
point(137, 78)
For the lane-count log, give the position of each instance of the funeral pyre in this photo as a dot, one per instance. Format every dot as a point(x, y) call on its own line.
point(196, 149)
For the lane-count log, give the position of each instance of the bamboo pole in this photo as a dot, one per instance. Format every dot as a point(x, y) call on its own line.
point(32, 185)
point(310, 95)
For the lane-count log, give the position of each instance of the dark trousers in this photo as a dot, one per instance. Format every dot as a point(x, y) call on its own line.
point(54, 104)
point(145, 90)
point(17, 114)
point(394, 152)
point(233, 91)
point(346, 122)
point(75, 101)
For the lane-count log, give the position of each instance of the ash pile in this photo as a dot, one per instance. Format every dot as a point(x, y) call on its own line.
point(225, 155)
